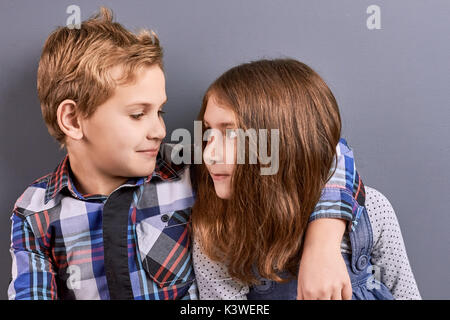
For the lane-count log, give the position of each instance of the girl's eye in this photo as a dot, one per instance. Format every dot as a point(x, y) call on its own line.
point(137, 116)
point(161, 113)
point(207, 133)
point(231, 134)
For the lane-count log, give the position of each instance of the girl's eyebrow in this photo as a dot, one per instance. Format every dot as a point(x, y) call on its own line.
point(220, 124)
point(226, 124)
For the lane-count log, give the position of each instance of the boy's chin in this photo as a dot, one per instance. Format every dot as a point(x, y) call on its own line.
point(146, 170)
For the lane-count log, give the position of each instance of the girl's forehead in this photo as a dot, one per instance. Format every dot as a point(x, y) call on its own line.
point(217, 113)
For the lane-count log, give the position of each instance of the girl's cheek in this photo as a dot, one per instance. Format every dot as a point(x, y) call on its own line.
point(231, 151)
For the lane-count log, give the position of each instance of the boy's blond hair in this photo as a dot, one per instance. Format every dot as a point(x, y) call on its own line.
point(75, 64)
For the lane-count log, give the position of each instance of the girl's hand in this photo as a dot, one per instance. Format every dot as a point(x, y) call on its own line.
point(323, 274)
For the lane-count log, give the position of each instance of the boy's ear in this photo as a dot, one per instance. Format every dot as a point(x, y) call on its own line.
point(68, 119)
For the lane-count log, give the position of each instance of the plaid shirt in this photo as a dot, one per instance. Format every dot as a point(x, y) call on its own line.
point(344, 195)
point(58, 242)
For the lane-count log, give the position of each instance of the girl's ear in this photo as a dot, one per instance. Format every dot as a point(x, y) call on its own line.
point(68, 119)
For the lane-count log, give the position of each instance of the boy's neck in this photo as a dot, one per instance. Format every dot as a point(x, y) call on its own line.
point(89, 180)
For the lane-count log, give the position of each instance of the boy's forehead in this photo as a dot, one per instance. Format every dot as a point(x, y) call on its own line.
point(147, 87)
point(116, 72)
point(152, 73)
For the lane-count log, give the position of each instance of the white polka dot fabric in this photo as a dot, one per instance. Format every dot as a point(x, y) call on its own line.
point(388, 253)
point(213, 280)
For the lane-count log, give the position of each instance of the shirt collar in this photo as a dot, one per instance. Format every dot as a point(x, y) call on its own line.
point(62, 176)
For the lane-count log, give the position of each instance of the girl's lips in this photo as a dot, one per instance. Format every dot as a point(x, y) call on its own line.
point(219, 177)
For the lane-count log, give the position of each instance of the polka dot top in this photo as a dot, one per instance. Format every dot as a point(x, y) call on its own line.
point(388, 253)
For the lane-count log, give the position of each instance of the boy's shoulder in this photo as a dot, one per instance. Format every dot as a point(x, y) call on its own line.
point(175, 169)
point(32, 200)
point(166, 168)
point(344, 149)
point(173, 185)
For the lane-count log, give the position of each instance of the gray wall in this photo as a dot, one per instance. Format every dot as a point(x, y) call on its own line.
point(392, 86)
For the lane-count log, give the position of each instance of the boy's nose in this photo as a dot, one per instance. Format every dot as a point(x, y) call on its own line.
point(157, 130)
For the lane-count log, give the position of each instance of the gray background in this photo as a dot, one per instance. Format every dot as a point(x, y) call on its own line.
point(392, 86)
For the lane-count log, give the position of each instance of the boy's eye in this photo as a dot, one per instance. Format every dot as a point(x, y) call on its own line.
point(136, 116)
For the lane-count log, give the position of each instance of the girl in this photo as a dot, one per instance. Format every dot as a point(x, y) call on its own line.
point(249, 229)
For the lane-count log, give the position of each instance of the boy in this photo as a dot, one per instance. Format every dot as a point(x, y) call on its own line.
point(74, 234)
point(111, 222)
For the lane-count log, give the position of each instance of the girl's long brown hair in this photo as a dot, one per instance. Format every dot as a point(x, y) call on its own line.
point(262, 225)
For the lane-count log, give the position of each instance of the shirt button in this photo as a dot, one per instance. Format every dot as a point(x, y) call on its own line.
point(164, 218)
point(362, 262)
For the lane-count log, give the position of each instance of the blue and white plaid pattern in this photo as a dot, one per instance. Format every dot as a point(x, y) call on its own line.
point(57, 242)
point(343, 195)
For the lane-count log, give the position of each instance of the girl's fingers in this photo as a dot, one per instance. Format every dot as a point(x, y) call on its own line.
point(347, 292)
point(336, 295)
point(300, 295)
point(324, 296)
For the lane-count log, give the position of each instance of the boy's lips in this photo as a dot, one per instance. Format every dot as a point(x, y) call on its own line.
point(149, 152)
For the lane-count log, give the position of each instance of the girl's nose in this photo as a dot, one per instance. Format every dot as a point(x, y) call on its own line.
point(212, 152)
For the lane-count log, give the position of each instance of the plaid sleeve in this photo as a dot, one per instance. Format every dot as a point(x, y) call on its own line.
point(343, 196)
point(33, 275)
